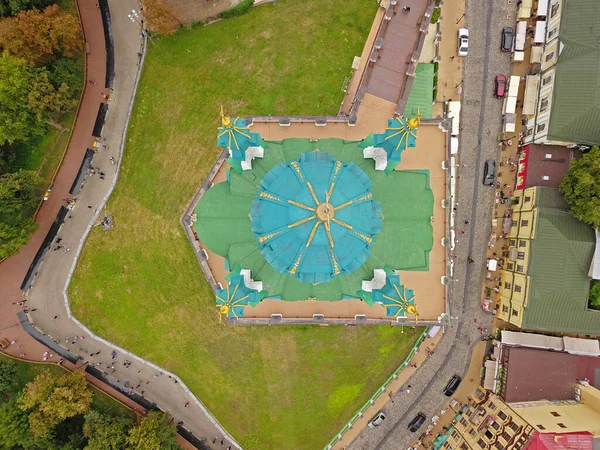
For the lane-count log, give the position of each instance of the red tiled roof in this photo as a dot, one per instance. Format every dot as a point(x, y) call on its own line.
point(561, 441)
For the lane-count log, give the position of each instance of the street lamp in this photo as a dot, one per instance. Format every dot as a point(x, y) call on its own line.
point(135, 17)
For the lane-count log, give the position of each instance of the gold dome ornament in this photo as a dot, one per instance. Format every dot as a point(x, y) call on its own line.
point(412, 309)
point(414, 122)
point(224, 309)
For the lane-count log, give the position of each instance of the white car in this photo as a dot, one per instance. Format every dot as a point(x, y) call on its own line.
point(463, 41)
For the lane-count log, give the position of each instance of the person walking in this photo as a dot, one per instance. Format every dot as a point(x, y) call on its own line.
point(471, 260)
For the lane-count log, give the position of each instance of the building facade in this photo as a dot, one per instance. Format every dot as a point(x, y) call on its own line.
point(545, 282)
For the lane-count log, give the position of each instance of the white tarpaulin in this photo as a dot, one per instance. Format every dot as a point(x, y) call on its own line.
point(532, 340)
point(525, 9)
point(453, 146)
point(490, 375)
point(542, 9)
point(513, 85)
point(454, 114)
point(540, 32)
point(509, 123)
point(532, 84)
point(586, 347)
point(433, 331)
point(518, 56)
point(510, 105)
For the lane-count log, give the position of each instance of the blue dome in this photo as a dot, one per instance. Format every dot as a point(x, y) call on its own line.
point(315, 217)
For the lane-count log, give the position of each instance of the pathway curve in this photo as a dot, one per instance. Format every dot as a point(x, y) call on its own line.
point(481, 119)
point(46, 294)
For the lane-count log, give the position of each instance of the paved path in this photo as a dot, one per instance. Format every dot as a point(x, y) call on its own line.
point(46, 294)
point(481, 121)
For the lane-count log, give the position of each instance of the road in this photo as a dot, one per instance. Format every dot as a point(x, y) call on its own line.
point(481, 122)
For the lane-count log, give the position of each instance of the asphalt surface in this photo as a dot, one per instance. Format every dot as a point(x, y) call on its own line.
point(481, 121)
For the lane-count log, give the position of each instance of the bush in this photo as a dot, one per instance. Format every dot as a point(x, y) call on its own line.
point(435, 15)
point(65, 70)
point(241, 8)
point(594, 298)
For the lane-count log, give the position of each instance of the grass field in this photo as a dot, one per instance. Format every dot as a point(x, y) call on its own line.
point(26, 372)
point(140, 285)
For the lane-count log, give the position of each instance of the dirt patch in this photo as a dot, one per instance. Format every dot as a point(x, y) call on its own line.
point(188, 11)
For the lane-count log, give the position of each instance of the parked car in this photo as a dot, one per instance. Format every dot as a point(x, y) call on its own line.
point(377, 420)
point(489, 172)
point(463, 41)
point(499, 86)
point(416, 423)
point(508, 37)
point(452, 385)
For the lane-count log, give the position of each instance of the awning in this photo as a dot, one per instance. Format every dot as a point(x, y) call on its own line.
point(577, 346)
point(535, 57)
point(490, 375)
point(492, 264)
point(510, 105)
point(540, 32)
point(520, 42)
point(525, 9)
point(513, 253)
point(532, 84)
point(522, 27)
point(433, 331)
point(532, 340)
point(518, 56)
point(513, 85)
point(542, 9)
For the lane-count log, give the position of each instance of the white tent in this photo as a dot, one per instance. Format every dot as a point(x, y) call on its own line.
point(584, 347)
point(454, 114)
point(540, 32)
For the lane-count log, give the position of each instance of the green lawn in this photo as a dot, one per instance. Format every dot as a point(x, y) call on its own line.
point(26, 372)
point(284, 387)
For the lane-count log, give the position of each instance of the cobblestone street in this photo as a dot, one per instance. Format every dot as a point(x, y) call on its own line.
point(481, 124)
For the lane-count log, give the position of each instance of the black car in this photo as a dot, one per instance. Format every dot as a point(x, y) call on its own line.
point(489, 172)
point(452, 385)
point(416, 423)
point(508, 36)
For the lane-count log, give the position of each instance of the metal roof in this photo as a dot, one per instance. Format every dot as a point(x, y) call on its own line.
point(575, 111)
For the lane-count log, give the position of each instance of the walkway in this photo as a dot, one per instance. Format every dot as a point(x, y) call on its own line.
point(46, 293)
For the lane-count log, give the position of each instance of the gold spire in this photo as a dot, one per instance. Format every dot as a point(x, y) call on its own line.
point(225, 120)
point(414, 122)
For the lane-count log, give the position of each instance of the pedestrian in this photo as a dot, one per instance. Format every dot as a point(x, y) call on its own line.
point(186, 404)
point(222, 442)
point(467, 222)
point(471, 260)
point(452, 58)
point(406, 8)
point(214, 440)
point(462, 232)
point(55, 317)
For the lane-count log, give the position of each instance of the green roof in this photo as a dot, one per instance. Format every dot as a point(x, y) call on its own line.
point(560, 257)
point(421, 93)
point(576, 99)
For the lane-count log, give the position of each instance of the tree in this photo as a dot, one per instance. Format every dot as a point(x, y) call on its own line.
point(39, 36)
point(7, 377)
point(159, 17)
point(54, 399)
point(14, 428)
point(153, 433)
point(594, 296)
point(105, 432)
point(581, 187)
point(44, 99)
point(17, 121)
point(12, 7)
point(19, 196)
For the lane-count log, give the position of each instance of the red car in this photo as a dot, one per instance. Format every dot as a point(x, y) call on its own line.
point(499, 86)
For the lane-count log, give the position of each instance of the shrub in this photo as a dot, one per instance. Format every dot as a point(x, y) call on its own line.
point(435, 15)
point(241, 8)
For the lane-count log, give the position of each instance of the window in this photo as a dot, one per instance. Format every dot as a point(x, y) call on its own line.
point(464, 446)
point(552, 33)
point(473, 432)
point(562, 425)
point(495, 425)
point(499, 446)
point(510, 266)
point(544, 104)
point(514, 427)
point(555, 414)
point(488, 434)
point(554, 9)
point(505, 309)
point(515, 313)
point(507, 437)
point(521, 255)
point(481, 443)
point(455, 435)
point(541, 127)
point(524, 223)
point(502, 415)
point(549, 56)
point(512, 242)
point(463, 421)
point(520, 269)
point(541, 427)
point(522, 243)
point(547, 80)
point(507, 285)
point(514, 223)
point(492, 406)
point(527, 199)
point(517, 287)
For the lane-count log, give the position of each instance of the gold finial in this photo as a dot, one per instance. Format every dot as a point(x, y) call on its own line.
point(225, 120)
point(411, 309)
point(224, 309)
point(414, 122)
